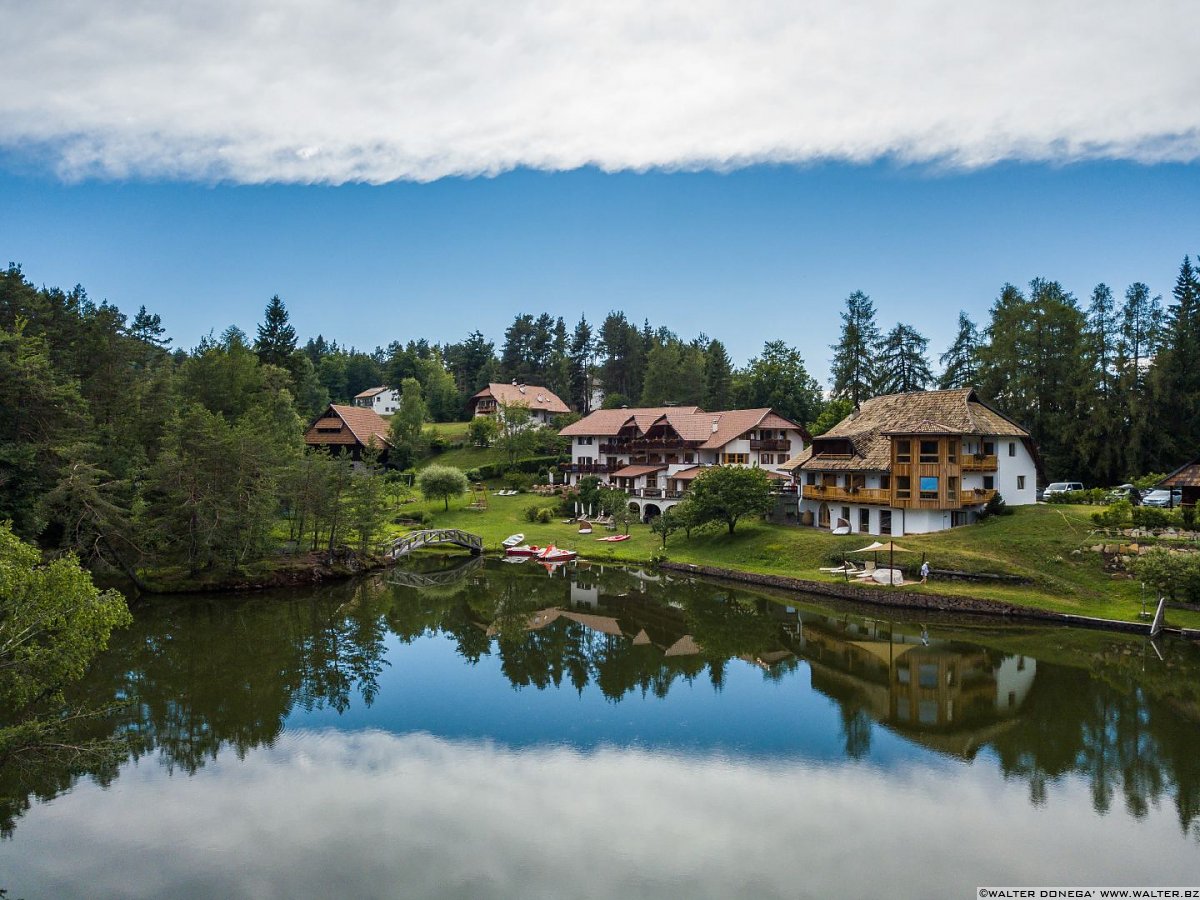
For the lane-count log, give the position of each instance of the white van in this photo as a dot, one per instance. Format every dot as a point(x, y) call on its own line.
point(1061, 487)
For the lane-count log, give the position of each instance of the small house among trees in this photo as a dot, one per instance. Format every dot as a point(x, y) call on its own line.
point(349, 429)
point(1185, 479)
point(542, 403)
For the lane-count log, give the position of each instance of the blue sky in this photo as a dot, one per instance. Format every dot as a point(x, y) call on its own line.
point(396, 169)
point(760, 253)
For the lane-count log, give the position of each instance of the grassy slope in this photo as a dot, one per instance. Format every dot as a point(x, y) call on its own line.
point(1035, 542)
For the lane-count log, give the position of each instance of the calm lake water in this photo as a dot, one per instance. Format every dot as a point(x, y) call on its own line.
point(497, 731)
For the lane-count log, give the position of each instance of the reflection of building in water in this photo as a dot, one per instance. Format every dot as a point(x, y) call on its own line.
point(948, 695)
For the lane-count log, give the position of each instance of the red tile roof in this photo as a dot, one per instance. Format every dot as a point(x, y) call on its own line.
point(354, 424)
point(711, 430)
point(369, 392)
point(535, 396)
point(636, 471)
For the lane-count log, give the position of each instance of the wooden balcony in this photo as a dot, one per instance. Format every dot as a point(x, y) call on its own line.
point(584, 468)
point(978, 464)
point(851, 495)
point(772, 444)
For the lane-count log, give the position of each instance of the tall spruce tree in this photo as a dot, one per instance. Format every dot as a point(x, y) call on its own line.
point(1175, 381)
point(902, 365)
point(1140, 329)
point(960, 363)
point(1103, 431)
point(853, 366)
point(581, 351)
point(276, 338)
point(718, 377)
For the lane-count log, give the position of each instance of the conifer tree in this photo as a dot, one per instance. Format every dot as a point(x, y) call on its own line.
point(276, 338)
point(853, 367)
point(960, 363)
point(581, 351)
point(902, 365)
point(718, 377)
point(1176, 375)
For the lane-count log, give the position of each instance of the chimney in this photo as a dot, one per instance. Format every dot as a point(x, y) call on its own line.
point(716, 425)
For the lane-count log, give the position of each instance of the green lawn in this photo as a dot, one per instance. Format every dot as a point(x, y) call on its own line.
point(463, 458)
point(1036, 542)
point(450, 430)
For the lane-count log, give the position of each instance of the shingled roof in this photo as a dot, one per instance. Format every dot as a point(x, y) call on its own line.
point(711, 430)
point(867, 429)
point(535, 396)
point(347, 425)
point(1187, 475)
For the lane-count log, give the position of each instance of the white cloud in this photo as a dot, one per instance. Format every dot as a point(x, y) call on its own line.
point(372, 90)
point(369, 814)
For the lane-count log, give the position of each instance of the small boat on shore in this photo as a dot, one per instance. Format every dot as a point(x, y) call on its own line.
point(513, 540)
point(614, 538)
point(554, 554)
point(523, 550)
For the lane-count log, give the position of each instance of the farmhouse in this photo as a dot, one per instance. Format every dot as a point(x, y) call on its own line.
point(349, 429)
point(1186, 479)
point(914, 463)
point(543, 404)
point(653, 454)
point(382, 400)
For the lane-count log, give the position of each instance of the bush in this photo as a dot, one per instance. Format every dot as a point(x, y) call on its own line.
point(532, 512)
point(481, 431)
point(437, 443)
point(995, 507)
point(1188, 515)
point(473, 475)
point(518, 481)
point(1175, 575)
point(416, 517)
point(1092, 496)
point(545, 515)
point(1118, 515)
point(1152, 517)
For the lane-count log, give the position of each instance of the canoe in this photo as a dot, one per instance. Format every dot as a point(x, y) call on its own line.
point(613, 538)
point(513, 540)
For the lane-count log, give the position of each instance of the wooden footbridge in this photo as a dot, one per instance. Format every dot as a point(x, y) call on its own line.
point(415, 540)
point(444, 578)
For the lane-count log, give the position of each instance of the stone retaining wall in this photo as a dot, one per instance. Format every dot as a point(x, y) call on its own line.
point(884, 596)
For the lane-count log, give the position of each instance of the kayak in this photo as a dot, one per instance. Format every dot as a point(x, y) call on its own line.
point(613, 538)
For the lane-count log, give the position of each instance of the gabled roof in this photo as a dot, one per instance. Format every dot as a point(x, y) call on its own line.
point(355, 424)
point(535, 396)
point(711, 430)
point(1187, 475)
point(609, 422)
point(867, 429)
point(369, 392)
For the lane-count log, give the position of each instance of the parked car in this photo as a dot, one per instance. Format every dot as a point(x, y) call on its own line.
point(1061, 487)
point(1163, 497)
point(1124, 492)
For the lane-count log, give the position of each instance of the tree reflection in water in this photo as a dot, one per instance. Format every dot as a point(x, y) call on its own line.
point(197, 677)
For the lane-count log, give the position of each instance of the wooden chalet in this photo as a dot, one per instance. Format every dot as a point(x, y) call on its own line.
point(1187, 479)
point(349, 429)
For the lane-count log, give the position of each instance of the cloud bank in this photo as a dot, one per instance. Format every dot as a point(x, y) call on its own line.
point(369, 814)
point(332, 91)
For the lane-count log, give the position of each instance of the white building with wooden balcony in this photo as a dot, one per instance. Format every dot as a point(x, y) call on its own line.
point(914, 463)
point(653, 454)
point(543, 404)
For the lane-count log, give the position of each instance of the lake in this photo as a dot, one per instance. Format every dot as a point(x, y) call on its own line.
point(493, 730)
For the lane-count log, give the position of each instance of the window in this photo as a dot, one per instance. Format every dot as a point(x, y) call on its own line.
point(767, 459)
point(952, 489)
point(1012, 448)
point(929, 487)
point(989, 482)
point(989, 449)
point(929, 452)
point(584, 441)
point(689, 457)
point(885, 521)
point(864, 520)
point(903, 451)
point(885, 482)
point(735, 459)
point(903, 487)
point(1020, 482)
point(952, 452)
point(810, 477)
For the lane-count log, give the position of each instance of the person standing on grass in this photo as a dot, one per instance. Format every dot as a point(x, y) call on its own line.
point(924, 571)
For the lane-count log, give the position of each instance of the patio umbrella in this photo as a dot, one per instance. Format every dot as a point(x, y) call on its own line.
point(890, 547)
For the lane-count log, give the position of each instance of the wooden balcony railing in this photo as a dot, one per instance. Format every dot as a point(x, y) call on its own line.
point(978, 464)
point(853, 495)
point(584, 468)
point(772, 444)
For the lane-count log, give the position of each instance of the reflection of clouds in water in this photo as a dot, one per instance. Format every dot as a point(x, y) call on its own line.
point(369, 814)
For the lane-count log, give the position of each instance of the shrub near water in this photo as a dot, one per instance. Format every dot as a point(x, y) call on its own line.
point(1175, 575)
